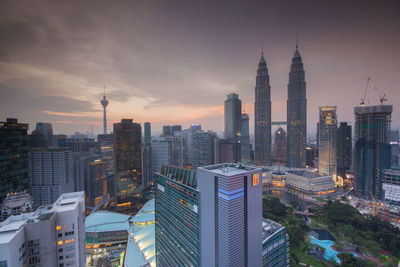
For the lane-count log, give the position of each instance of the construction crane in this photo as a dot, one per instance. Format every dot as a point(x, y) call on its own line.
point(380, 94)
point(373, 203)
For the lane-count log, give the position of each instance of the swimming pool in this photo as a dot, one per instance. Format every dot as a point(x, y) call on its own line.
point(329, 251)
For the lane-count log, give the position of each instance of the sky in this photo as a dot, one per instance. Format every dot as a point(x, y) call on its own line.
point(174, 62)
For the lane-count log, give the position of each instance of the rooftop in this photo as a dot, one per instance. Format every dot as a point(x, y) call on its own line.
point(306, 173)
point(229, 169)
point(269, 229)
point(105, 221)
point(181, 175)
point(16, 199)
point(141, 243)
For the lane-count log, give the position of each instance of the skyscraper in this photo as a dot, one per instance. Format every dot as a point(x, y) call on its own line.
point(372, 149)
point(46, 129)
point(127, 157)
point(14, 166)
point(202, 147)
point(230, 209)
point(280, 146)
point(51, 174)
point(147, 134)
point(245, 139)
point(327, 140)
point(233, 116)
point(262, 111)
point(166, 130)
point(296, 114)
point(343, 149)
point(209, 218)
point(104, 103)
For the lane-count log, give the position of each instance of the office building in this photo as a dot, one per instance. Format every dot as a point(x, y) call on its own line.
point(14, 166)
point(245, 139)
point(15, 204)
point(106, 150)
point(50, 173)
point(391, 185)
point(231, 215)
point(343, 149)
point(159, 154)
point(96, 188)
point(372, 147)
point(262, 115)
point(187, 155)
point(228, 151)
point(147, 134)
point(233, 116)
point(51, 236)
point(127, 157)
point(296, 114)
point(82, 144)
point(394, 143)
point(327, 140)
point(202, 148)
point(177, 230)
point(37, 139)
point(280, 146)
point(175, 128)
point(275, 244)
point(166, 130)
point(46, 129)
point(311, 156)
point(147, 165)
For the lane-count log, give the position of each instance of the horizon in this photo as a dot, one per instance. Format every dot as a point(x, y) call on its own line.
point(184, 59)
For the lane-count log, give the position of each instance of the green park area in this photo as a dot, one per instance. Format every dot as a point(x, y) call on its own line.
point(376, 242)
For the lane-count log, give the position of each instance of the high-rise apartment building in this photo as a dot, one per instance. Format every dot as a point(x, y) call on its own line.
point(51, 236)
point(280, 150)
point(14, 166)
point(262, 115)
point(50, 173)
point(296, 114)
point(15, 204)
point(343, 149)
point(327, 140)
point(372, 147)
point(233, 116)
point(245, 139)
point(127, 157)
point(209, 218)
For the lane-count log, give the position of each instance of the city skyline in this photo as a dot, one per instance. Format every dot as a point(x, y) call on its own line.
point(55, 59)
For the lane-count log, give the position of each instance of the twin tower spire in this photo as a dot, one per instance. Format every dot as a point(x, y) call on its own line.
point(296, 114)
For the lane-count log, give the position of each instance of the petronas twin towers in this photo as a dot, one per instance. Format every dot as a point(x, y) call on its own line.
point(296, 114)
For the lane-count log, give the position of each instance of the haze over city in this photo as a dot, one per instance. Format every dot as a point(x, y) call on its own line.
point(175, 62)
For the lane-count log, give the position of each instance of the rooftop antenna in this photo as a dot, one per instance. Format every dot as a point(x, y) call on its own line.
point(297, 42)
point(262, 48)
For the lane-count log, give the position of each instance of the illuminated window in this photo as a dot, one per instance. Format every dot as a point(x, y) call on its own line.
point(256, 179)
point(60, 242)
point(69, 241)
point(58, 227)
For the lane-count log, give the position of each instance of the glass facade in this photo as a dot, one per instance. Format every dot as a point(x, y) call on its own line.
point(14, 164)
point(327, 140)
point(275, 245)
point(296, 114)
point(372, 149)
point(127, 157)
point(262, 115)
point(177, 218)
